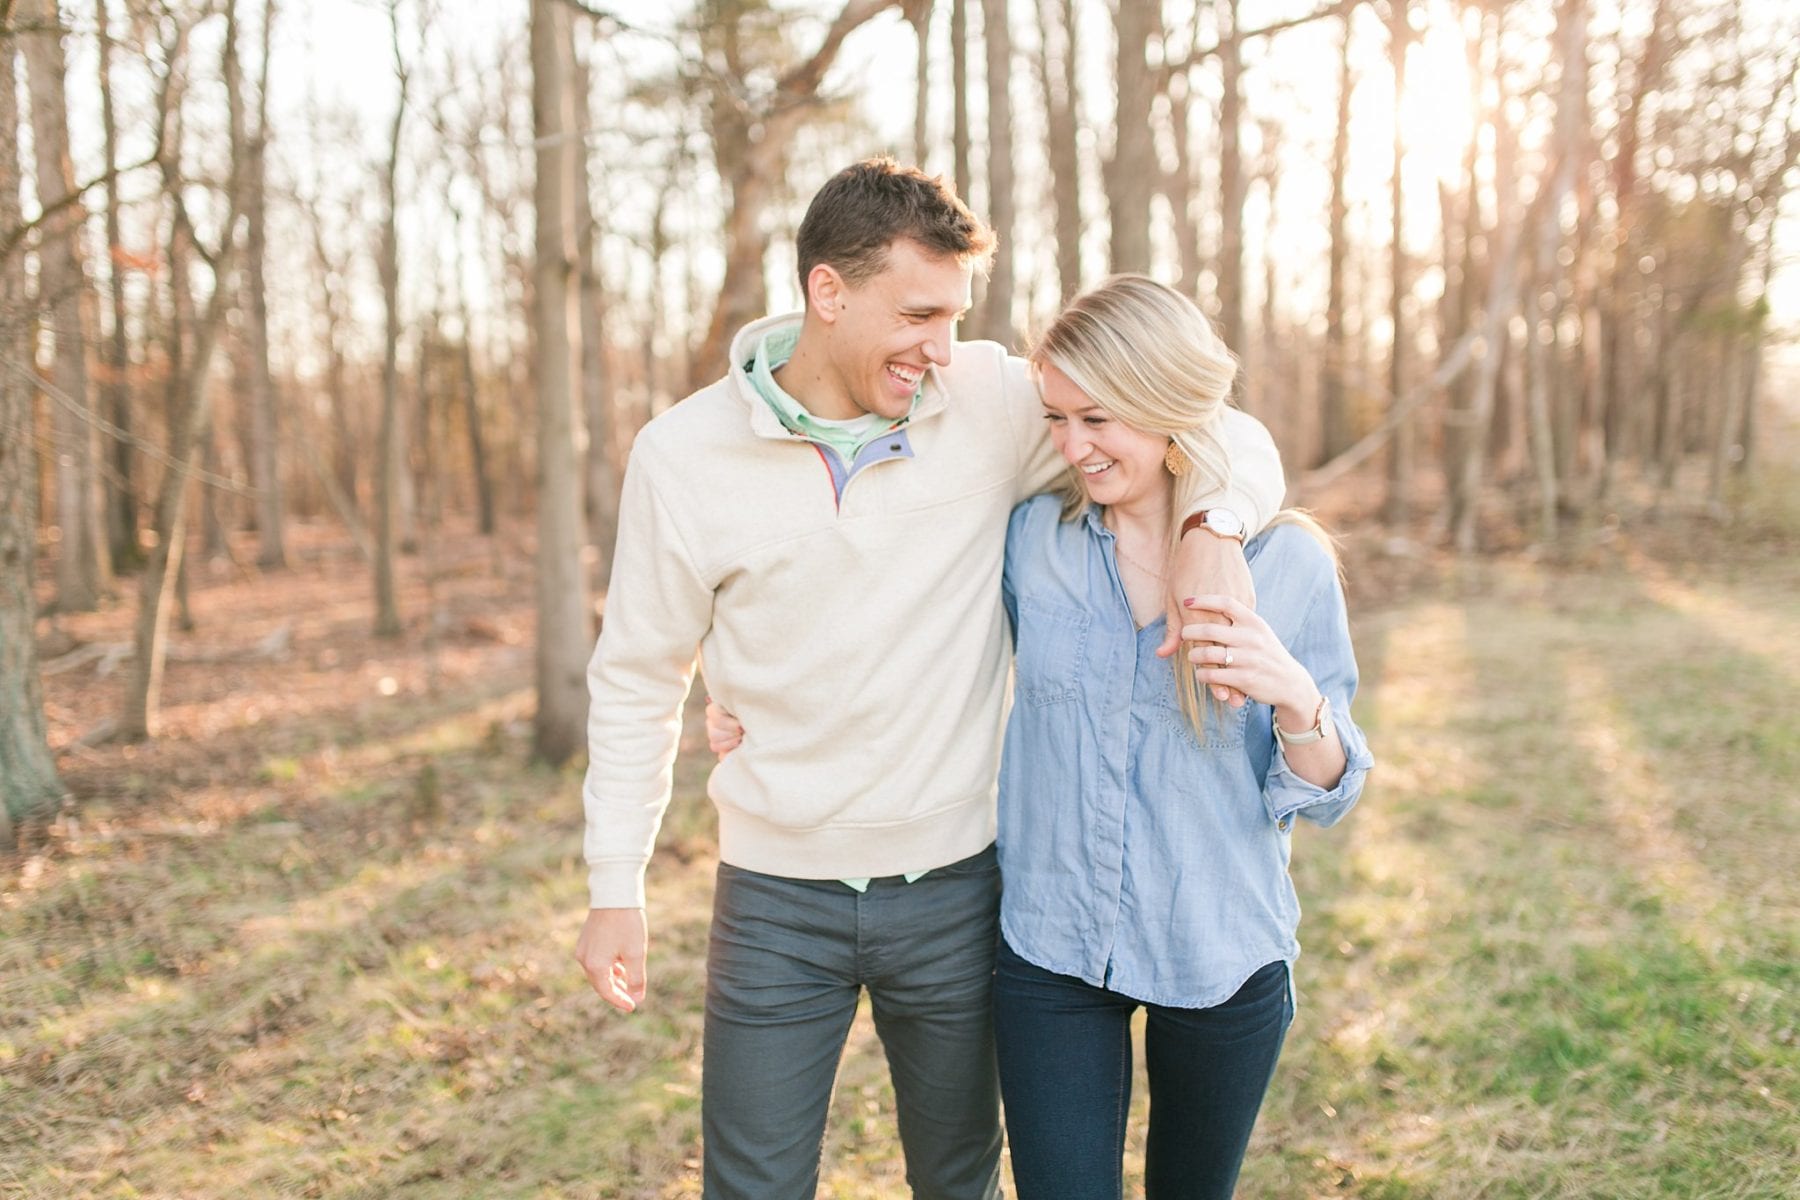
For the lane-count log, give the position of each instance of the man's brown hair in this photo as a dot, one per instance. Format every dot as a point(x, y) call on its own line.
point(863, 208)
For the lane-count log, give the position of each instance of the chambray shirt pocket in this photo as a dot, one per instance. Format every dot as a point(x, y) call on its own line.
point(1223, 724)
point(1052, 650)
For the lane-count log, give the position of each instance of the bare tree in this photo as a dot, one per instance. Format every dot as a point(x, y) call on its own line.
point(959, 96)
point(562, 610)
point(1333, 401)
point(601, 482)
point(390, 451)
point(996, 317)
point(1231, 179)
point(471, 398)
point(1062, 103)
point(62, 284)
point(1542, 307)
point(750, 141)
point(121, 498)
point(1646, 77)
point(190, 411)
point(28, 780)
point(918, 15)
point(265, 461)
point(1133, 160)
point(1400, 454)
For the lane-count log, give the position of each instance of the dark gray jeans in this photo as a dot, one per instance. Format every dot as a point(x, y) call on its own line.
point(786, 964)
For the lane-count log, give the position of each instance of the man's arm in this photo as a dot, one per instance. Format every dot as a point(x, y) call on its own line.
point(1208, 564)
point(657, 610)
point(1204, 563)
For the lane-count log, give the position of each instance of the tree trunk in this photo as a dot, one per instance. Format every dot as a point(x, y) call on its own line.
point(1571, 112)
point(1179, 187)
point(1496, 316)
point(1400, 454)
point(471, 398)
point(1336, 435)
point(1133, 160)
point(959, 97)
point(920, 18)
point(1062, 106)
point(265, 435)
point(390, 453)
point(28, 782)
point(753, 163)
point(1231, 184)
point(600, 490)
point(188, 420)
point(344, 447)
point(996, 317)
point(1615, 313)
point(121, 497)
point(62, 285)
point(562, 608)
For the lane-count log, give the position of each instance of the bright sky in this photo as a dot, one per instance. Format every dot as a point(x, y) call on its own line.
point(336, 55)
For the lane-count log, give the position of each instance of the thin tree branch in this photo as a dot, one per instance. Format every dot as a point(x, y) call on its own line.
point(18, 235)
point(1337, 8)
point(1449, 369)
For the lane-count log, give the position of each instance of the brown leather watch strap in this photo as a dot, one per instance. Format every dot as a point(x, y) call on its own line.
point(1198, 521)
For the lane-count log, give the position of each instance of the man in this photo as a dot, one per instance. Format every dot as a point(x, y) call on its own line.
point(826, 526)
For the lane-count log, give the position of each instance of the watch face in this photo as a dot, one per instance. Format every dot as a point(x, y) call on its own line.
point(1224, 521)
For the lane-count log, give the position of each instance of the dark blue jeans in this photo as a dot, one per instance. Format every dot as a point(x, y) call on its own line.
point(1065, 1078)
point(787, 961)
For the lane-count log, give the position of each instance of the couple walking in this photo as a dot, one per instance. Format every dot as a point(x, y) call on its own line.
point(860, 533)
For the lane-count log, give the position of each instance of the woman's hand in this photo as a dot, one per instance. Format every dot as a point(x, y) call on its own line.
point(723, 733)
point(1245, 655)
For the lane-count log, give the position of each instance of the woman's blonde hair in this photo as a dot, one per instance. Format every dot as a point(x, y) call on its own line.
point(1147, 355)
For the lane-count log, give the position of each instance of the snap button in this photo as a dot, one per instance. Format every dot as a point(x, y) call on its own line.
point(1282, 824)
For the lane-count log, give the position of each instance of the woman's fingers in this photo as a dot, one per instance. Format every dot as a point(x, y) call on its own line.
point(1235, 610)
point(1204, 631)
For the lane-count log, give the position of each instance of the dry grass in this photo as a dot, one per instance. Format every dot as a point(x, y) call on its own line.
point(316, 941)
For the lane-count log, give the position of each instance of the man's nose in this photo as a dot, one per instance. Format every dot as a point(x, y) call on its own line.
point(937, 344)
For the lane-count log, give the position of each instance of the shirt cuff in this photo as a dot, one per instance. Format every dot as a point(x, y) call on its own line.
point(616, 885)
point(1286, 793)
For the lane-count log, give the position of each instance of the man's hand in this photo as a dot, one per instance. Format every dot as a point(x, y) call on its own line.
point(611, 951)
point(724, 733)
point(1206, 564)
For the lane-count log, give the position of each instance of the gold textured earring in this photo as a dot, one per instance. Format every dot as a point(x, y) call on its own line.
point(1176, 460)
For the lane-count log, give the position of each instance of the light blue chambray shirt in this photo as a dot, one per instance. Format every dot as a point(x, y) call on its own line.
point(1135, 855)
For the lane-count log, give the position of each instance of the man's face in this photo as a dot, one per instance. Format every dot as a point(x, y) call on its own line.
point(886, 330)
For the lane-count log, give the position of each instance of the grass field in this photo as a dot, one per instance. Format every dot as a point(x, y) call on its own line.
point(321, 947)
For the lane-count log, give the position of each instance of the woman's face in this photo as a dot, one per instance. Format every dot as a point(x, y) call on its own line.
point(1118, 465)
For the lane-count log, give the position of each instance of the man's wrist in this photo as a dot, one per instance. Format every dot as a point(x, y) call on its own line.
point(1222, 523)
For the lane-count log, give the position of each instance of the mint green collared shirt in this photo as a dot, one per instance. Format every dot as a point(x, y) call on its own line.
point(844, 437)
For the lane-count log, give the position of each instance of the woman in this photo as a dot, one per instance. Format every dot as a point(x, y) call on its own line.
point(1143, 828)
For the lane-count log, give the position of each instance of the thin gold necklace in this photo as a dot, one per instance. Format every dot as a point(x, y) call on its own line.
point(1119, 549)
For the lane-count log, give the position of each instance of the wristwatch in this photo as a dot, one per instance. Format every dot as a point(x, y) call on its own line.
point(1316, 733)
point(1220, 522)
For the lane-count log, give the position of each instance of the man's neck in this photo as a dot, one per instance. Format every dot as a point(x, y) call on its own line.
point(807, 376)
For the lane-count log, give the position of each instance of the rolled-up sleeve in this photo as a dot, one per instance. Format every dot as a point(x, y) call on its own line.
point(1322, 646)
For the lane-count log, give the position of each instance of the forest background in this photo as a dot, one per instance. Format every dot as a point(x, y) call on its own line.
point(324, 333)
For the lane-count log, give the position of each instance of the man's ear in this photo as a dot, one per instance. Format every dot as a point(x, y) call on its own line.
point(825, 292)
